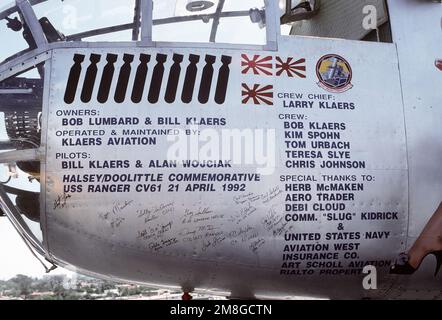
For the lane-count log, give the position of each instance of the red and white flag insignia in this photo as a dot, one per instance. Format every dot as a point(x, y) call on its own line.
point(257, 95)
point(257, 65)
point(291, 67)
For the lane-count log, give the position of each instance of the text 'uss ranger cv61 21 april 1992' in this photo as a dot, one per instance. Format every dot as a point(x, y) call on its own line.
point(189, 144)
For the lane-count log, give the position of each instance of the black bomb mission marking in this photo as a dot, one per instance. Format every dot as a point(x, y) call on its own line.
point(187, 66)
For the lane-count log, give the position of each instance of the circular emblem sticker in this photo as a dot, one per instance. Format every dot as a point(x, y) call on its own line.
point(334, 73)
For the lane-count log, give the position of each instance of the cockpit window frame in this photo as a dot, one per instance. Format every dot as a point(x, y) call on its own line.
point(146, 10)
point(41, 53)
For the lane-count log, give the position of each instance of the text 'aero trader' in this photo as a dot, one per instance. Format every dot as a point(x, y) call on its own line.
point(151, 141)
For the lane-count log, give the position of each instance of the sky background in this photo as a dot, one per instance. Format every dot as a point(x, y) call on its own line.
point(70, 17)
point(15, 257)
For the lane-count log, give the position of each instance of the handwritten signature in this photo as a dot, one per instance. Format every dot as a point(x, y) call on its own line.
point(252, 197)
point(163, 243)
point(119, 207)
point(155, 232)
point(61, 201)
point(255, 245)
point(275, 223)
point(271, 194)
point(117, 222)
point(197, 216)
point(243, 214)
point(151, 214)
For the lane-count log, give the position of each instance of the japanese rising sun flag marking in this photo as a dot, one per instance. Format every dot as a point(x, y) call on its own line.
point(258, 65)
point(258, 94)
point(290, 67)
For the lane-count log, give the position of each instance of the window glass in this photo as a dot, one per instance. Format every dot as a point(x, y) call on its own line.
point(344, 19)
point(11, 33)
point(210, 21)
point(235, 5)
point(114, 36)
point(226, 35)
point(73, 17)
